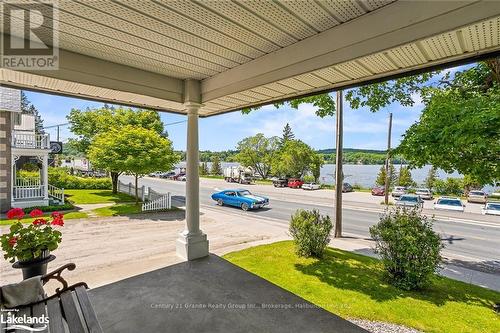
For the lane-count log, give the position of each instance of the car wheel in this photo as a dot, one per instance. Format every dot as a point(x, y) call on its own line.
point(244, 206)
point(220, 202)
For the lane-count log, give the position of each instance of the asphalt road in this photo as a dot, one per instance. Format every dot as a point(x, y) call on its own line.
point(465, 240)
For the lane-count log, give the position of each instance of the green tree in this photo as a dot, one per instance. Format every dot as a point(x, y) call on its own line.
point(258, 152)
point(88, 124)
point(134, 150)
point(203, 169)
point(287, 134)
point(316, 164)
point(431, 178)
point(295, 159)
point(381, 176)
point(405, 178)
point(216, 167)
point(458, 129)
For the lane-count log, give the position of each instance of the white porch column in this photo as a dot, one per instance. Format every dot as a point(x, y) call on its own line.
point(45, 176)
point(192, 242)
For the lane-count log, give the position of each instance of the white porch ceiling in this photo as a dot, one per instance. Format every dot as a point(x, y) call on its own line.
point(252, 52)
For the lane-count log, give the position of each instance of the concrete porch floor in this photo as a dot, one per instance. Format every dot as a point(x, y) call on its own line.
point(208, 295)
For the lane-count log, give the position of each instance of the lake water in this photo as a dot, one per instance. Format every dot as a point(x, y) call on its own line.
point(364, 175)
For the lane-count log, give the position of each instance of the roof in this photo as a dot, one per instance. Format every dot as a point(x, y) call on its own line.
point(235, 54)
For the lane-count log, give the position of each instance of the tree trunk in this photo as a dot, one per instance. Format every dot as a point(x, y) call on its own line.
point(114, 180)
point(136, 189)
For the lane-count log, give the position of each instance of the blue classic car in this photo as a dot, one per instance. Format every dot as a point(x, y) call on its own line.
point(240, 198)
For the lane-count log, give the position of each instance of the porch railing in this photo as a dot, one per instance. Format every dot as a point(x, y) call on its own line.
point(30, 140)
point(57, 193)
point(28, 182)
point(27, 192)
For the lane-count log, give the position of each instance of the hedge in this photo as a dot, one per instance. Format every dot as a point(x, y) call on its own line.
point(66, 206)
point(60, 178)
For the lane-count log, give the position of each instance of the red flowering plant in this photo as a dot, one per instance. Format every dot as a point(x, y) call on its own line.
point(30, 242)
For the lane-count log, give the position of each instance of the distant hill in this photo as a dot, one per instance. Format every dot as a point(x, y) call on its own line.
point(351, 150)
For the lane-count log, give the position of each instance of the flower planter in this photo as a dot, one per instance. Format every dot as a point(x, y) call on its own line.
point(36, 266)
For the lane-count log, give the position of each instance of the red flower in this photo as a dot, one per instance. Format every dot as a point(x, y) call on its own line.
point(36, 212)
point(58, 221)
point(56, 215)
point(15, 213)
point(12, 241)
point(40, 221)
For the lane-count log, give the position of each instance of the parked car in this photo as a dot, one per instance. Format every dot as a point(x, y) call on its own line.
point(240, 198)
point(154, 174)
point(169, 174)
point(477, 197)
point(295, 183)
point(280, 182)
point(410, 200)
point(398, 191)
point(491, 208)
point(179, 175)
point(311, 186)
point(378, 191)
point(424, 193)
point(447, 203)
point(346, 187)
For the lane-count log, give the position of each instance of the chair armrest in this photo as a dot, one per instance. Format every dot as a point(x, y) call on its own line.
point(56, 275)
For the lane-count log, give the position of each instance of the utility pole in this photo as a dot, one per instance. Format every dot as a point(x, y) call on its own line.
point(57, 133)
point(338, 167)
point(387, 159)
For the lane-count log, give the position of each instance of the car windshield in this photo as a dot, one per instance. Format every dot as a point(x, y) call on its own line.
point(423, 190)
point(493, 206)
point(449, 202)
point(244, 193)
point(409, 199)
point(476, 193)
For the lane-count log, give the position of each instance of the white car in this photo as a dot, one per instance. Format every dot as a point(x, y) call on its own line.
point(424, 193)
point(491, 208)
point(311, 186)
point(398, 191)
point(446, 203)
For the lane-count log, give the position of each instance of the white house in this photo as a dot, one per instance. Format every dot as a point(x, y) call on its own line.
point(26, 145)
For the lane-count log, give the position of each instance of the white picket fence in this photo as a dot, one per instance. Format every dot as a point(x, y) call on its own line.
point(163, 202)
point(152, 200)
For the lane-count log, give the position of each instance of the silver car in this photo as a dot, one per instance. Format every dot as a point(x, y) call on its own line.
point(477, 197)
point(424, 193)
point(398, 191)
point(446, 203)
point(491, 208)
point(410, 201)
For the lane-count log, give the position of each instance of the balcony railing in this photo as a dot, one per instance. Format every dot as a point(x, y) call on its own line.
point(30, 140)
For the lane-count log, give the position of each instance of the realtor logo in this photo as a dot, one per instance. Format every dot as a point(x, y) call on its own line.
point(30, 35)
point(24, 322)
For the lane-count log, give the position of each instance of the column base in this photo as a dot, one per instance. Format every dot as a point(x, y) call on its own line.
point(190, 247)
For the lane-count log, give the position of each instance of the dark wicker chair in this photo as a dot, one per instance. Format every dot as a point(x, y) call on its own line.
point(69, 310)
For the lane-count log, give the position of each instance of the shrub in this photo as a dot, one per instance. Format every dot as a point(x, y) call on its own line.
point(309, 179)
point(311, 232)
point(60, 178)
point(409, 248)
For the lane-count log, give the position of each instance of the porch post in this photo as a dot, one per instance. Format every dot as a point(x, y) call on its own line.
point(45, 176)
point(192, 242)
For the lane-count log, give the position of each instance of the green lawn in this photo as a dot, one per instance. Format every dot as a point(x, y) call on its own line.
point(67, 216)
point(118, 210)
point(96, 196)
point(351, 286)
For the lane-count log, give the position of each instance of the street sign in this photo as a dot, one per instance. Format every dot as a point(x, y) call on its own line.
point(56, 147)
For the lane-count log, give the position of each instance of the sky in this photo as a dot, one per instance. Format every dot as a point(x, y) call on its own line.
point(362, 128)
